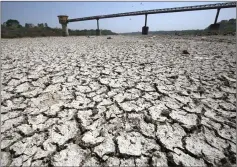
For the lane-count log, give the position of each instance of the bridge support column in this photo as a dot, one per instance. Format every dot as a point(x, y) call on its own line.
point(145, 28)
point(65, 30)
point(217, 14)
point(215, 26)
point(98, 33)
point(63, 21)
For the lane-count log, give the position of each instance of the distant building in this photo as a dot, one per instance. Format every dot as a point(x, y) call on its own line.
point(29, 25)
point(4, 24)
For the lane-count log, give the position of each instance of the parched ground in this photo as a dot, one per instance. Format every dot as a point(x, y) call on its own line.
point(125, 101)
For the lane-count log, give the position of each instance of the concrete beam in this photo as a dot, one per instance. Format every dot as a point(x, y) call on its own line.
point(63, 20)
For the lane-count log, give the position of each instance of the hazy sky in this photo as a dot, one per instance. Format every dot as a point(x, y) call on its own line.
point(47, 12)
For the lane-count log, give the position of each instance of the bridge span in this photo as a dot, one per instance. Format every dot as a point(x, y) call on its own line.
point(63, 19)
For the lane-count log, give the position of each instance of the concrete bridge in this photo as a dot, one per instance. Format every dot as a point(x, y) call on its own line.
point(63, 19)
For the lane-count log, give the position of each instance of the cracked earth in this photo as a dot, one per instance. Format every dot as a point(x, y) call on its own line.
point(126, 101)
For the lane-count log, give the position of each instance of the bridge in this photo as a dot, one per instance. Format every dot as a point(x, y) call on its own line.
point(63, 19)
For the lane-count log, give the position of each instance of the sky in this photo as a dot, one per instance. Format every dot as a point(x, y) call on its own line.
point(47, 12)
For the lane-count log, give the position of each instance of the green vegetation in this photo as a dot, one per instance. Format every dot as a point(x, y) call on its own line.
point(227, 27)
point(89, 32)
point(12, 23)
point(13, 29)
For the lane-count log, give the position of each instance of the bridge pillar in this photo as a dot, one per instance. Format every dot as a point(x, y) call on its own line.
point(63, 21)
point(217, 14)
point(145, 28)
point(98, 33)
point(215, 27)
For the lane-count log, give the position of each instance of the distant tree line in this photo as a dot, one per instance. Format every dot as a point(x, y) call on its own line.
point(13, 29)
point(15, 24)
point(227, 27)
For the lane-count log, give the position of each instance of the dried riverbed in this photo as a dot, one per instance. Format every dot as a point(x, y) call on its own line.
point(128, 101)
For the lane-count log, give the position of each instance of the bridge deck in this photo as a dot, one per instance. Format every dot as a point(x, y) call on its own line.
point(155, 11)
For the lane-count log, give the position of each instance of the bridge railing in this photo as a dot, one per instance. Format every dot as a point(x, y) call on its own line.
point(145, 29)
point(155, 11)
